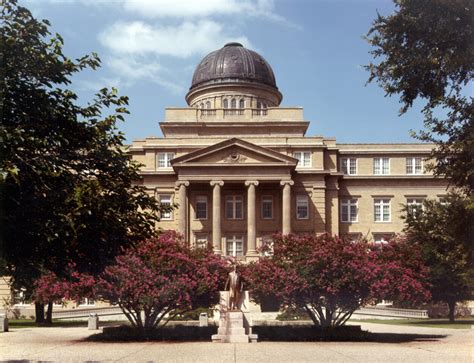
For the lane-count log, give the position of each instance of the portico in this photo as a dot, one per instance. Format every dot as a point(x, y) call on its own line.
point(230, 178)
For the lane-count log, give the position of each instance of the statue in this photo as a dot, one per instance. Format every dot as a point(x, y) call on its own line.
point(235, 287)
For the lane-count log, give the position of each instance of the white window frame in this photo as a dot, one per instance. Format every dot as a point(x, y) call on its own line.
point(411, 166)
point(302, 200)
point(201, 199)
point(267, 199)
point(304, 158)
point(166, 216)
point(349, 166)
point(379, 237)
point(86, 302)
point(383, 167)
point(234, 199)
point(267, 241)
point(201, 240)
point(414, 202)
point(348, 204)
point(234, 240)
point(382, 204)
point(163, 160)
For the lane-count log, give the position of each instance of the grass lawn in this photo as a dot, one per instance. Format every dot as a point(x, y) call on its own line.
point(461, 323)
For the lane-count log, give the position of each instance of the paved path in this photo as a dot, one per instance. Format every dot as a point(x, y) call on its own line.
point(68, 345)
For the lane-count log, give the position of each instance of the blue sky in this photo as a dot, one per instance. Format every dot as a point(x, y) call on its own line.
point(149, 49)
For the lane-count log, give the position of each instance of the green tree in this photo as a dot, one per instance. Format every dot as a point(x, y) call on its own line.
point(445, 232)
point(68, 190)
point(426, 49)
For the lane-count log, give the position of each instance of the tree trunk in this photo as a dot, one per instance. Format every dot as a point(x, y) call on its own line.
point(452, 307)
point(39, 313)
point(49, 313)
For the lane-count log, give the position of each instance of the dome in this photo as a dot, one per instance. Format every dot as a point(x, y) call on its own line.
point(233, 63)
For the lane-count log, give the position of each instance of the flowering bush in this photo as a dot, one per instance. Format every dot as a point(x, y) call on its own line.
point(160, 278)
point(330, 277)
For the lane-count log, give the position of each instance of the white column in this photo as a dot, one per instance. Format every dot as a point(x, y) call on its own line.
point(182, 208)
point(286, 206)
point(251, 220)
point(216, 216)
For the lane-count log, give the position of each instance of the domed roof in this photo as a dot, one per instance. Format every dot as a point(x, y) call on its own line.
point(233, 63)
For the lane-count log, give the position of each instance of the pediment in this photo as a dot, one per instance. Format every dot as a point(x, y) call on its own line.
point(234, 152)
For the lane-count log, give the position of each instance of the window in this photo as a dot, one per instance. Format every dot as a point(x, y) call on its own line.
point(86, 302)
point(164, 160)
point(304, 158)
point(381, 238)
point(267, 245)
point(201, 105)
point(234, 207)
point(382, 210)
point(20, 297)
point(208, 104)
point(414, 166)
point(225, 103)
point(235, 245)
point(349, 166)
point(414, 205)
point(349, 210)
point(201, 207)
point(241, 103)
point(233, 103)
point(201, 240)
point(381, 166)
point(267, 207)
point(302, 207)
point(165, 200)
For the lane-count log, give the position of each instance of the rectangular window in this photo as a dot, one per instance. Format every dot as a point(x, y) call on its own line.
point(349, 210)
point(349, 166)
point(414, 205)
point(201, 240)
point(302, 207)
point(381, 166)
point(86, 302)
point(304, 158)
point(235, 245)
point(414, 166)
point(381, 238)
point(267, 207)
point(165, 200)
point(234, 207)
point(164, 160)
point(382, 210)
point(201, 207)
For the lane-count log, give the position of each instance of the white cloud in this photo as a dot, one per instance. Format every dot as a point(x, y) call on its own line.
point(181, 41)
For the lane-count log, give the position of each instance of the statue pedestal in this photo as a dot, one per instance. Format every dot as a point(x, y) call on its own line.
point(231, 329)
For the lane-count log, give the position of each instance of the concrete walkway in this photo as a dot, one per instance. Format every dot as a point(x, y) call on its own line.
point(68, 345)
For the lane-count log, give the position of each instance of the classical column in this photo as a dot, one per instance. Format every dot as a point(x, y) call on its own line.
point(251, 222)
point(216, 216)
point(286, 206)
point(181, 186)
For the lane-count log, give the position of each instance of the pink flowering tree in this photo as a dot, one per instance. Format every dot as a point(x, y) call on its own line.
point(331, 277)
point(160, 278)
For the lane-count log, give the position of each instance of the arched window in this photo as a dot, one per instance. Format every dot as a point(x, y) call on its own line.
point(201, 105)
point(233, 103)
point(241, 103)
point(259, 104)
point(225, 103)
point(208, 104)
point(264, 105)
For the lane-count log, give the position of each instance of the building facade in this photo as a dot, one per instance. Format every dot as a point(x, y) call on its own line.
point(239, 167)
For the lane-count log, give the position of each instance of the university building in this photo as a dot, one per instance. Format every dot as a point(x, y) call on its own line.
point(240, 167)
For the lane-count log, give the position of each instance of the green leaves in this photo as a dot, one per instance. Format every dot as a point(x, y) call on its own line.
point(426, 52)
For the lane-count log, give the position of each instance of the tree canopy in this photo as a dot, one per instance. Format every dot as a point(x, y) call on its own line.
point(426, 52)
point(444, 232)
point(68, 189)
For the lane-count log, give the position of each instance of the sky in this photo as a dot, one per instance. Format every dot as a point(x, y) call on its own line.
point(150, 48)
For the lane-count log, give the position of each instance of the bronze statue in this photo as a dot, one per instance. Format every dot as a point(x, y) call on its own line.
point(235, 286)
